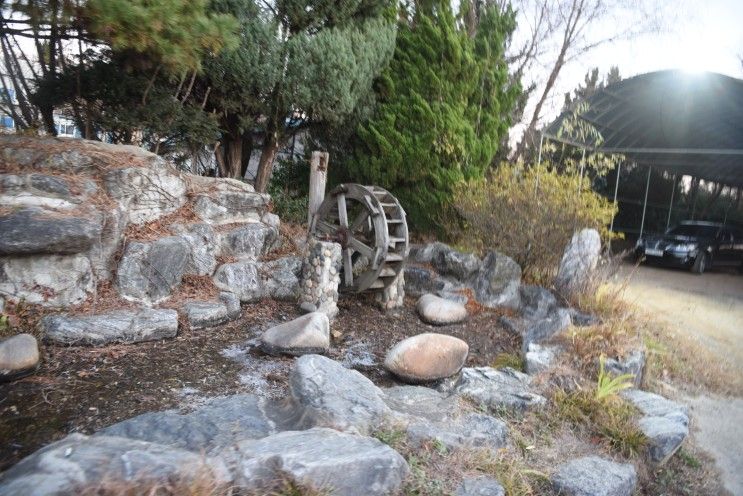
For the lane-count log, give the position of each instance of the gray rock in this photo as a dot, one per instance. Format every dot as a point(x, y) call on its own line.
point(665, 423)
point(427, 253)
point(104, 251)
point(149, 272)
point(241, 279)
point(203, 314)
point(227, 207)
point(421, 402)
point(305, 335)
point(29, 232)
point(50, 184)
point(582, 319)
point(322, 459)
point(578, 262)
point(540, 358)
point(19, 356)
point(536, 302)
point(540, 330)
point(481, 485)
point(80, 462)
point(426, 357)
point(146, 193)
point(249, 241)
point(633, 364)
point(461, 266)
point(497, 284)
point(496, 389)
point(232, 302)
point(473, 430)
point(217, 425)
point(204, 248)
point(420, 280)
point(280, 278)
point(330, 395)
point(48, 280)
point(37, 190)
point(123, 326)
point(594, 476)
point(439, 311)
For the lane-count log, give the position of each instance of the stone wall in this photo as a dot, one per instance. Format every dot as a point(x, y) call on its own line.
point(75, 214)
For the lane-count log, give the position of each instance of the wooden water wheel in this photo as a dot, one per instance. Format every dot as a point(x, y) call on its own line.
point(369, 224)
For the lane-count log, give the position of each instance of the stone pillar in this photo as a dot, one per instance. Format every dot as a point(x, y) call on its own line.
point(394, 295)
point(320, 278)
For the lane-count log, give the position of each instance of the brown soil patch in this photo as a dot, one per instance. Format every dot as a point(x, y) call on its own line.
point(80, 389)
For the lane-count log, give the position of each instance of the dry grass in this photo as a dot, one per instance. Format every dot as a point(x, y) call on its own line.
point(513, 360)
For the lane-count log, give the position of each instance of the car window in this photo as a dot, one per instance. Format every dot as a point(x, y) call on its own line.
point(694, 230)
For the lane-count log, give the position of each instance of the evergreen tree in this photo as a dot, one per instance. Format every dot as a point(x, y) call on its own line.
point(443, 105)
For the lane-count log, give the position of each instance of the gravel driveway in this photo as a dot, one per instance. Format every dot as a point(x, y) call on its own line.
point(710, 307)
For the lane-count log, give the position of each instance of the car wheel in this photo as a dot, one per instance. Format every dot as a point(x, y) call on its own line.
point(700, 264)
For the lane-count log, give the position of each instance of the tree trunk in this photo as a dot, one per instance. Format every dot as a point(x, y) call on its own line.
point(268, 156)
point(233, 148)
point(247, 152)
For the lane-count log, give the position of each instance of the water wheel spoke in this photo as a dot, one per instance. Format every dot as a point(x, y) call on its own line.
point(342, 212)
point(360, 247)
point(347, 267)
point(359, 220)
point(325, 227)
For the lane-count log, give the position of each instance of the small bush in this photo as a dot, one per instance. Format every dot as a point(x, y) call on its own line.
point(528, 214)
point(289, 190)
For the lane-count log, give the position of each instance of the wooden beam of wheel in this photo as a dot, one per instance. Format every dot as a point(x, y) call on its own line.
point(363, 215)
point(347, 267)
point(325, 227)
point(342, 212)
point(360, 247)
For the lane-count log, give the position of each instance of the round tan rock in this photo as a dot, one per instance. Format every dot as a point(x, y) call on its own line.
point(19, 356)
point(439, 311)
point(426, 357)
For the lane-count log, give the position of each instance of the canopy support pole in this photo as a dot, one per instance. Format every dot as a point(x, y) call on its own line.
point(670, 205)
point(539, 162)
point(582, 167)
point(645, 203)
point(616, 190)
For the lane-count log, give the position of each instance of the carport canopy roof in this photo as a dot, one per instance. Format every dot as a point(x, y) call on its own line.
point(685, 123)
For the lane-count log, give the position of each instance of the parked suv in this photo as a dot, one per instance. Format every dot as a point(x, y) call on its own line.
point(694, 244)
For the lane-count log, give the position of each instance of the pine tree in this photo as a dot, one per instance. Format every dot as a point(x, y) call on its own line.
point(443, 105)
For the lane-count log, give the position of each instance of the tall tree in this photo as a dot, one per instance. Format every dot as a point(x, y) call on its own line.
point(443, 107)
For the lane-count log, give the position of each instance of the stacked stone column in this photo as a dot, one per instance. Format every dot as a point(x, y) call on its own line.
point(320, 278)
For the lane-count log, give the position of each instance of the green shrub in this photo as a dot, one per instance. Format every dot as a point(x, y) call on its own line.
point(289, 190)
point(528, 214)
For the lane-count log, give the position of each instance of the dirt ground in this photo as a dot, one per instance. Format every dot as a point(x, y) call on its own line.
point(81, 389)
point(709, 309)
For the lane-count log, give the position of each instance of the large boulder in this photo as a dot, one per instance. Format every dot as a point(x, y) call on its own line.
point(536, 331)
point(421, 280)
point(302, 336)
point(240, 278)
point(82, 464)
point(280, 278)
point(37, 190)
point(664, 422)
point(228, 202)
point(594, 476)
point(204, 247)
point(249, 241)
point(420, 402)
point(214, 426)
point(149, 272)
point(439, 311)
point(536, 302)
point(321, 460)
point(104, 251)
point(327, 394)
point(461, 266)
point(425, 254)
point(473, 430)
point(498, 282)
point(496, 389)
point(146, 193)
point(203, 314)
point(19, 355)
point(578, 262)
point(539, 358)
point(123, 326)
point(426, 357)
point(633, 364)
point(31, 231)
point(480, 485)
point(48, 280)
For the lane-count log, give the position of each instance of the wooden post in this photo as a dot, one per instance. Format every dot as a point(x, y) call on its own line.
point(318, 178)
